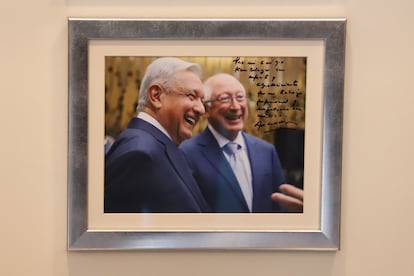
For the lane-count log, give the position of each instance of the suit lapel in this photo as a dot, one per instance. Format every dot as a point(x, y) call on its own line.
point(180, 164)
point(176, 158)
point(256, 164)
point(218, 161)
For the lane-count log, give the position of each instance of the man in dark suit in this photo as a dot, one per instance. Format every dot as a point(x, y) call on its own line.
point(248, 178)
point(144, 169)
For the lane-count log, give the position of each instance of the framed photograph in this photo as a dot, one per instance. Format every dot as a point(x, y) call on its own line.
point(292, 71)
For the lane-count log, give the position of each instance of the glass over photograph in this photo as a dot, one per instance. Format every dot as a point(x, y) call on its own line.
point(204, 134)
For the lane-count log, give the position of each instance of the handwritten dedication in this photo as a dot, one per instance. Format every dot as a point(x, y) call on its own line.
point(277, 89)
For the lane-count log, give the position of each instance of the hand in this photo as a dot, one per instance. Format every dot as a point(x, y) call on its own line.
point(290, 198)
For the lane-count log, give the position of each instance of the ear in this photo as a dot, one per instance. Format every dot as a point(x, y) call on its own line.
point(154, 95)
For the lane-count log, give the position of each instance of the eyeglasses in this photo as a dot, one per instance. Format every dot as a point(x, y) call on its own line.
point(226, 99)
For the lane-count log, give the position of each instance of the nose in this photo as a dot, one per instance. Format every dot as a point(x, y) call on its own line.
point(199, 107)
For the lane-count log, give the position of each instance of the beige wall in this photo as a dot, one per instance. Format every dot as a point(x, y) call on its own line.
point(377, 209)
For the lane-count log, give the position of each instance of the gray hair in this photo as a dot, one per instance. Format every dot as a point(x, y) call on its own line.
point(162, 71)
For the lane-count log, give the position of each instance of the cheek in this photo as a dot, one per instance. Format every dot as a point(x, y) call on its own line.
point(179, 108)
point(245, 111)
point(219, 117)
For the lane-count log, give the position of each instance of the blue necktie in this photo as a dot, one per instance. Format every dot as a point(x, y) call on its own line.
point(239, 167)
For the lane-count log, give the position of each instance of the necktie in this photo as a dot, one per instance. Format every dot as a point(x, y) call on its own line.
point(239, 167)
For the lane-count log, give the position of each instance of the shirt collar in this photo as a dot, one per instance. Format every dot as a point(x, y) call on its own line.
point(149, 119)
point(222, 141)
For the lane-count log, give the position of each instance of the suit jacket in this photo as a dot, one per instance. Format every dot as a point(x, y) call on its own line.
point(218, 182)
point(146, 172)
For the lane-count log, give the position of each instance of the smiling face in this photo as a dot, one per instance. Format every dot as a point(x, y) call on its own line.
point(227, 110)
point(181, 105)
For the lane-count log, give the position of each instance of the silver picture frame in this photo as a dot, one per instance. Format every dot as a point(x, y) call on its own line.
point(331, 31)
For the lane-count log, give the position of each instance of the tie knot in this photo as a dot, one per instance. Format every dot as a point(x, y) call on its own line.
point(231, 148)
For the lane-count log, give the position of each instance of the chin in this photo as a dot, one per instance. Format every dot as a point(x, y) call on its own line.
point(235, 128)
point(186, 136)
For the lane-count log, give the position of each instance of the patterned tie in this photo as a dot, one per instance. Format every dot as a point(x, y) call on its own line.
point(239, 167)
